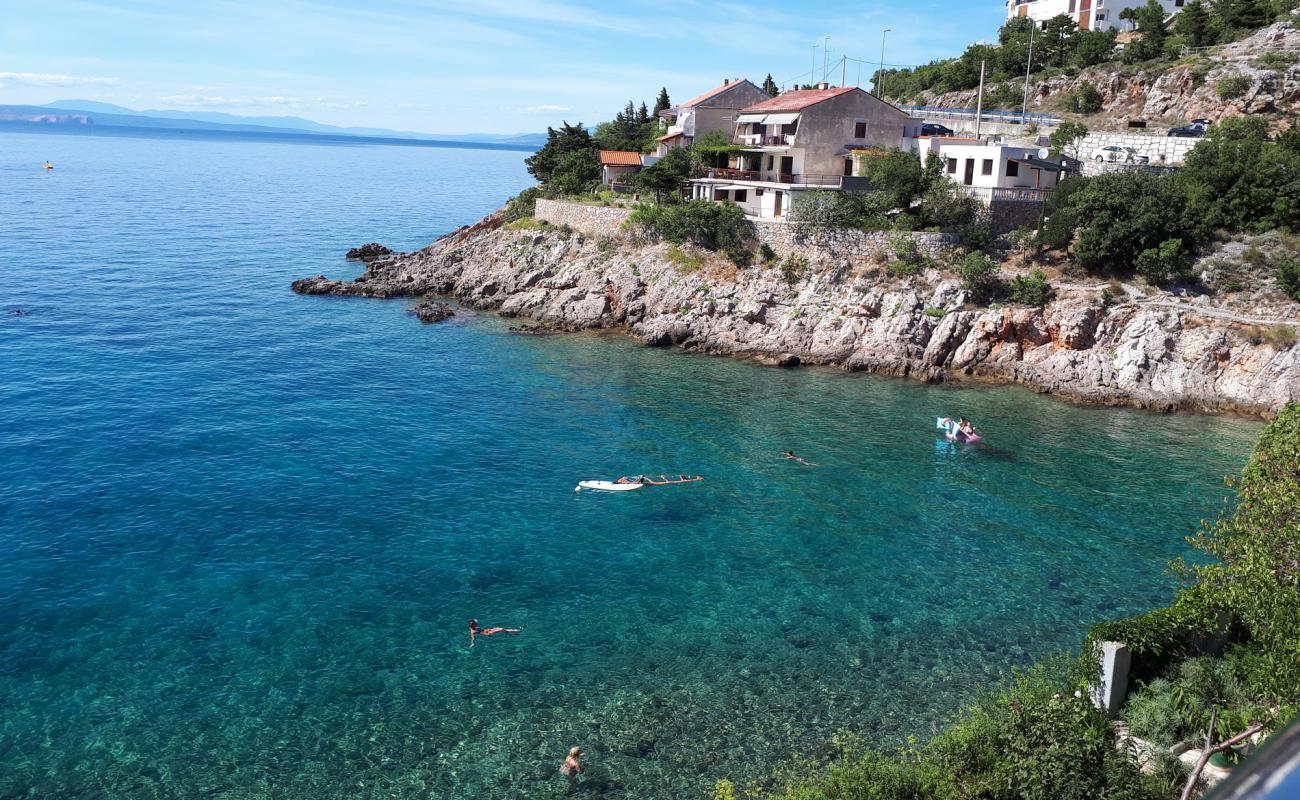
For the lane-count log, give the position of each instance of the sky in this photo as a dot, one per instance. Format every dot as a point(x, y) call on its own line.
point(490, 66)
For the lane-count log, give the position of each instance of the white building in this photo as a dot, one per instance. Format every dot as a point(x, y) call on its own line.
point(991, 171)
point(1097, 15)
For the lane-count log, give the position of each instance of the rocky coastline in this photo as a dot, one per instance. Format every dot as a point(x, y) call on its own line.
point(1113, 345)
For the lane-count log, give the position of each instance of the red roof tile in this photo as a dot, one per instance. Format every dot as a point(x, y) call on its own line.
point(797, 101)
point(620, 158)
point(711, 93)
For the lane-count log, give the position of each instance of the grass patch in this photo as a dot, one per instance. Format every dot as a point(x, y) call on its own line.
point(1280, 337)
point(686, 262)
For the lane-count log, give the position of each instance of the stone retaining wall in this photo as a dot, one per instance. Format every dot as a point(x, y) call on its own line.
point(1160, 149)
point(782, 237)
point(591, 220)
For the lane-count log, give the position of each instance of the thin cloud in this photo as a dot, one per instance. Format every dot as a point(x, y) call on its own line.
point(216, 101)
point(53, 79)
point(547, 109)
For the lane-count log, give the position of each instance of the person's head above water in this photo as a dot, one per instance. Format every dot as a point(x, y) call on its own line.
point(575, 751)
point(473, 624)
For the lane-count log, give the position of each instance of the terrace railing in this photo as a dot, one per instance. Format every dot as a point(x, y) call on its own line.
point(987, 114)
point(792, 178)
point(989, 194)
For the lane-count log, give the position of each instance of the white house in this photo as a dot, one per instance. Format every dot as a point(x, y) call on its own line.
point(803, 140)
point(715, 110)
point(992, 171)
point(1098, 15)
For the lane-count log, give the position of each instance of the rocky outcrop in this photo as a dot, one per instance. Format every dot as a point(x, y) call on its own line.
point(1180, 93)
point(368, 252)
point(429, 311)
point(1155, 352)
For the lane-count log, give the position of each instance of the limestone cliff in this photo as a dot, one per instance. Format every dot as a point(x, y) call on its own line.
point(1149, 352)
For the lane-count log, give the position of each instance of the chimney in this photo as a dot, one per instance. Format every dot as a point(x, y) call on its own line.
point(823, 85)
point(726, 81)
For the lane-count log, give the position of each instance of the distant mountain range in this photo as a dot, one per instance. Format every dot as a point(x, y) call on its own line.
point(90, 112)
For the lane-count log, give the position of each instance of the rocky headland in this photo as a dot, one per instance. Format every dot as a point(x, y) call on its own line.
point(1111, 344)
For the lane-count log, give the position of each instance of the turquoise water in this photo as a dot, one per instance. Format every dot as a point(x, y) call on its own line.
point(243, 530)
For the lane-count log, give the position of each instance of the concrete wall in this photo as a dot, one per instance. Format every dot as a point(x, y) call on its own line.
point(1160, 149)
point(782, 237)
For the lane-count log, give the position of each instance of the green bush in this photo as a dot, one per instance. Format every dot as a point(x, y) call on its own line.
point(979, 277)
point(713, 226)
point(766, 253)
point(1152, 714)
point(1029, 290)
point(1287, 270)
point(1232, 86)
point(898, 175)
point(794, 268)
point(1254, 575)
point(522, 205)
point(1165, 263)
point(739, 255)
point(827, 210)
point(1085, 100)
point(934, 311)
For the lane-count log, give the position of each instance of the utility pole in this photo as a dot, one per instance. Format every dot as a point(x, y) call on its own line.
point(1024, 107)
point(826, 58)
point(844, 71)
point(979, 104)
point(880, 76)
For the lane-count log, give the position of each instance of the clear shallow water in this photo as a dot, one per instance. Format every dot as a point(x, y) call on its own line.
point(242, 530)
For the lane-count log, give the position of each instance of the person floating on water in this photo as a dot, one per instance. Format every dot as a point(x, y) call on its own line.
point(572, 766)
point(967, 429)
point(18, 312)
point(475, 631)
point(48, 165)
point(790, 456)
point(638, 479)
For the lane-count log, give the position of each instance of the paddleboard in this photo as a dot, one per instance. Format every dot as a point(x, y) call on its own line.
point(607, 486)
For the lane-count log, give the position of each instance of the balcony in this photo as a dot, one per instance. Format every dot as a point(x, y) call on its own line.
point(987, 194)
point(790, 178)
point(766, 140)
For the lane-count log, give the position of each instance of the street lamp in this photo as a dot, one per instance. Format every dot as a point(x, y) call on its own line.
point(880, 76)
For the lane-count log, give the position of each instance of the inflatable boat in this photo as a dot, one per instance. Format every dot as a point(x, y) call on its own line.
point(950, 430)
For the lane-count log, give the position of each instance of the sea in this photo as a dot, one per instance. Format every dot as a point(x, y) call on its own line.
point(242, 531)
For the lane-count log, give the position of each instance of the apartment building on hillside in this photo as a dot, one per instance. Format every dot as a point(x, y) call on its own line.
point(715, 110)
point(1094, 15)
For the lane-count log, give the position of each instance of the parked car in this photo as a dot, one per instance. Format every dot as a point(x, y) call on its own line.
point(1196, 127)
point(1119, 155)
point(935, 129)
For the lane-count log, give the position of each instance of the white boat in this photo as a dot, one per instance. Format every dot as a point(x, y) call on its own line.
point(607, 486)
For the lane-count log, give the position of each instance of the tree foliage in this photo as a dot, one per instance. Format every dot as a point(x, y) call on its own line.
point(770, 87)
point(1067, 137)
point(714, 226)
point(559, 143)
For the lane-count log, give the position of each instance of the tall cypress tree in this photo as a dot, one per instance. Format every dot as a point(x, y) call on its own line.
point(642, 115)
point(769, 86)
point(662, 102)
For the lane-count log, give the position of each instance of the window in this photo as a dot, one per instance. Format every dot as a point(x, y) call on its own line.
point(952, 166)
point(1178, 3)
point(719, 194)
point(1071, 6)
point(1101, 17)
point(987, 167)
point(758, 192)
point(1013, 168)
point(789, 127)
point(741, 195)
point(859, 130)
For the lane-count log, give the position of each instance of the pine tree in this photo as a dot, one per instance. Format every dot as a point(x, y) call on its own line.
point(662, 103)
point(1194, 24)
point(769, 86)
point(559, 143)
point(642, 115)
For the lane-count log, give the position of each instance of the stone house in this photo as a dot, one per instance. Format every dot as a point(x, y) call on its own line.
point(803, 140)
point(715, 110)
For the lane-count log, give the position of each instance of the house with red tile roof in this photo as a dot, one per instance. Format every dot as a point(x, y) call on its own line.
point(804, 140)
point(715, 110)
point(616, 166)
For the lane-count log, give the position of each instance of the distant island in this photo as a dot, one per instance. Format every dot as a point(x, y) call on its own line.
point(88, 113)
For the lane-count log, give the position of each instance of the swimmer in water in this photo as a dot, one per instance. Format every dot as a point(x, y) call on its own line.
point(476, 631)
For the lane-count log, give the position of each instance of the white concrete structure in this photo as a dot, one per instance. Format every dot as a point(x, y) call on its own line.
point(1097, 15)
point(992, 171)
point(1111, 686)
point(803, 140)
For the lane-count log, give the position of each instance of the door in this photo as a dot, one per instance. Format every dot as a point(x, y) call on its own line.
point(776, 203)
point(787, 166)
point(970, 172)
